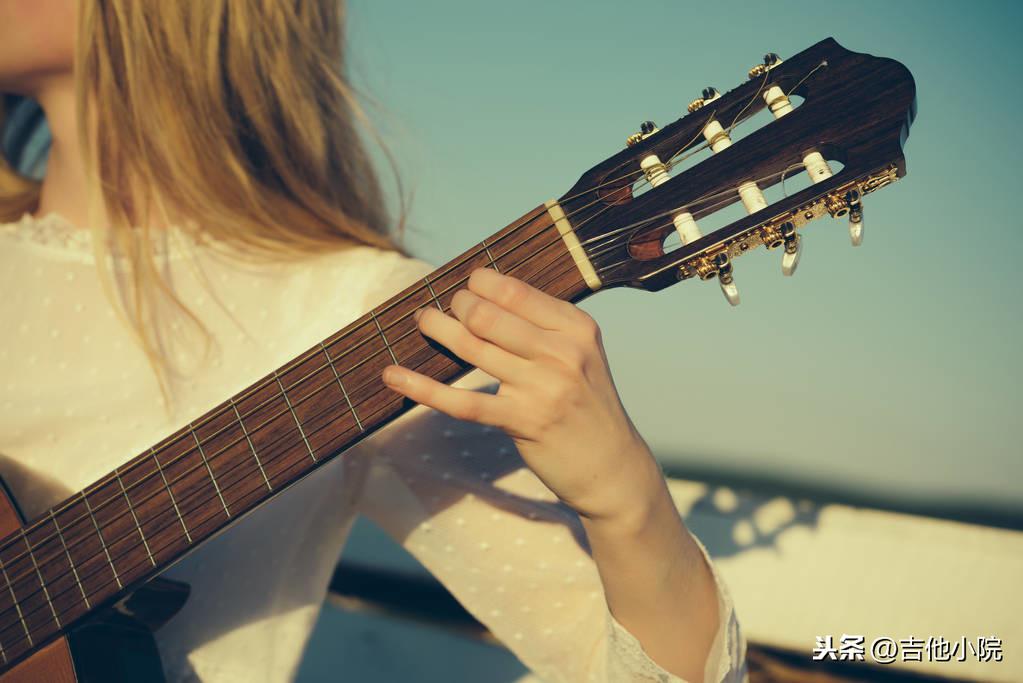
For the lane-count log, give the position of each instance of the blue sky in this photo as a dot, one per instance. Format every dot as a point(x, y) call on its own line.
point(892, 369)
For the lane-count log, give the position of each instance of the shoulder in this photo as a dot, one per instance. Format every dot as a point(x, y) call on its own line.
point(387, 272)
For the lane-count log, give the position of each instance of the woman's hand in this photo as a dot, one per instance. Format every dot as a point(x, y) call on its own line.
point(556, 400)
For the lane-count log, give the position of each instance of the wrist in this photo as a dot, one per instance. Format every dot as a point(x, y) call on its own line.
point(635, 498)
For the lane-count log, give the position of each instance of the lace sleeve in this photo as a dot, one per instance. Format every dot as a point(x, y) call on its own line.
point(726, 662)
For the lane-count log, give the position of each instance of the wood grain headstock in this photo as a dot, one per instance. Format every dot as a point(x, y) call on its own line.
point(856, 110)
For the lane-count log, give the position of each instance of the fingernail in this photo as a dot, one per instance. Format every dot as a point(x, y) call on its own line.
point(394, 377)
point(418, 312)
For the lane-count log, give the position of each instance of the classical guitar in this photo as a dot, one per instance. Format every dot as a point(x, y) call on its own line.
point(79, 596)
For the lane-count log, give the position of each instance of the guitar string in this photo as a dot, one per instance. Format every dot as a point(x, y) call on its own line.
point(244, 462)
point(204, 503)
point(131, 467)
point(297, 383)
point(24, 617)
point(131, 532)
point(389, 327)
point(733, 199)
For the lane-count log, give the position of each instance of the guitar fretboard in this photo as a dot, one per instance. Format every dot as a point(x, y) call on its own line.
point(94, 547)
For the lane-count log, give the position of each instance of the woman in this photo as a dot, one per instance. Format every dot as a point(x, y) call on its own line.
point(207, 213)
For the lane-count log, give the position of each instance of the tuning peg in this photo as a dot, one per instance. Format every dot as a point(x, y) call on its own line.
point(710, 93)
point(793, 249)
point(852, 198)
point(725, 278)
point(770, 61)
point(646, 129)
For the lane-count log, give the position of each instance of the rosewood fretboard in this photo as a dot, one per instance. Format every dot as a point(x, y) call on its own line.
point(91, 549)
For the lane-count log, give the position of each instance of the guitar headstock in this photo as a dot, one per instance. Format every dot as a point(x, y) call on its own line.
point(856, 111)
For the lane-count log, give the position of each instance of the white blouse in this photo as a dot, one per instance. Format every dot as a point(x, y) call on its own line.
point(78, 398)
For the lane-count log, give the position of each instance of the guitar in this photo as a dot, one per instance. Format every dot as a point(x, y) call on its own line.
point(79, 587)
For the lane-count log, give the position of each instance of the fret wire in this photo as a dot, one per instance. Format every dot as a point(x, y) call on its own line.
point(103, 543)
point(117, 473)
point(433, 294)
point(251, 447)
point(42, 583)
point(170, 493)
point(382, 336)
point(490, 256)
point(202, 454)
point(71, 562)
point(351, 407)
point(193, 437)
point(17, 605)
point(451, 267)
point(301, 431)
point(292, 407)
point(164, 477)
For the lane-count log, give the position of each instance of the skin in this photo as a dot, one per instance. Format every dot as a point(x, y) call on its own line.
point(557, 399)
point(558, 402)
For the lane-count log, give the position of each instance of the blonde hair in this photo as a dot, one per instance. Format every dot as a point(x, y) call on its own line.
point(233, 119)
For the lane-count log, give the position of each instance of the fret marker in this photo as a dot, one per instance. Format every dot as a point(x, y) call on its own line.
point(557, 214)
point(170, 493)
point(297, 422)
point(251, 447)
point(330, 362)
point(209, 469)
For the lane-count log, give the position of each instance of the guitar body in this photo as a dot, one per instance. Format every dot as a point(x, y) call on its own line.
point(115, 645)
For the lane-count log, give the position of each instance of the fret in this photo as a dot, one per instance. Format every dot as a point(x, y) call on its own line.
point(490, 256)
point(433, 294)
point(251, 447)
point(131, 509)
point(71, 562)
point(102, 542)
point(42, 583)
point(298, 422)
point(351, 407)
point(209, 469)
point(170, 493)
point(382, 336)
point(315, 405)
point(17, 605)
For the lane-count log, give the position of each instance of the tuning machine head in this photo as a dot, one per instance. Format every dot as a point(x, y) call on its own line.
point(770, 61)
point(646, 129)
point(793, 249)
point(853, 199)
point(726, 278)
point(709, 94)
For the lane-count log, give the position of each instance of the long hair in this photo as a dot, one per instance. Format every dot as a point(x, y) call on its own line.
point(232, 119)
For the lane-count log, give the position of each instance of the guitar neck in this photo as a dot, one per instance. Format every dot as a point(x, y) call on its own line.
point(97, 545)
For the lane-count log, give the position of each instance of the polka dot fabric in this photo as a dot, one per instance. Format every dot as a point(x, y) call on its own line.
point(77, 398)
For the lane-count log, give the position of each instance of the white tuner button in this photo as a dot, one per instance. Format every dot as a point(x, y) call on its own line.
point(793, 249)
point(726, 280)
point(855, 217)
